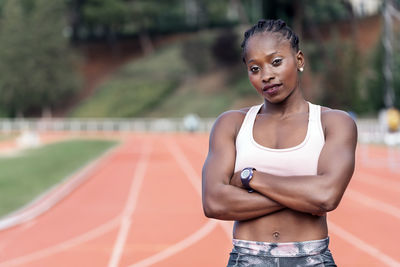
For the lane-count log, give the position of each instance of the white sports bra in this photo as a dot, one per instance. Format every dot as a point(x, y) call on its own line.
point(298, 160)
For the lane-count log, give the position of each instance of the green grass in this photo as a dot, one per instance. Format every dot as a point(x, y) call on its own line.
point(191, 100)
point(24, 177)
point(197, 97)
point(137, 87)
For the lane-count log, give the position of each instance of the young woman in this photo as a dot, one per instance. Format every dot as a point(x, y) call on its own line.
point(277, 168)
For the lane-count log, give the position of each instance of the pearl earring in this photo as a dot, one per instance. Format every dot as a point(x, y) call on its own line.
point(301, 69)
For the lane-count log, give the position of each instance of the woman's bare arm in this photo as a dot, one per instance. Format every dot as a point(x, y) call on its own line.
point(220, 199)
point(316, 194)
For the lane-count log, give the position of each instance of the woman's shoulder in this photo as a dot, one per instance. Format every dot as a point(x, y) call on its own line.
point(335, 114)
point(232, 117)
point(337, 119)
point(230, 120)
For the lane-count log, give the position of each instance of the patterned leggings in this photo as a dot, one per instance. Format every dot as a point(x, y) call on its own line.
point(262, 254)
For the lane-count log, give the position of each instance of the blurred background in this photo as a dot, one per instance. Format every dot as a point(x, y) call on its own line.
point(141, 58)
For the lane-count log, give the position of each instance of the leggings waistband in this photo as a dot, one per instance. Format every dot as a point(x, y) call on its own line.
point(290, 249)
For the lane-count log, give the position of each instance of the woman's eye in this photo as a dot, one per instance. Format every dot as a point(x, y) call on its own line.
point(277, 62)
point(254, 69)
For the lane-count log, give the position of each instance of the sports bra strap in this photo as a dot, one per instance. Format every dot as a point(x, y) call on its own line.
point(315, 112)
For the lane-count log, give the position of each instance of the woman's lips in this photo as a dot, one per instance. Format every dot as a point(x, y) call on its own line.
point(272, 89)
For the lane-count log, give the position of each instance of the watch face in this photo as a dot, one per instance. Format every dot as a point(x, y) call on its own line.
point(245, 173)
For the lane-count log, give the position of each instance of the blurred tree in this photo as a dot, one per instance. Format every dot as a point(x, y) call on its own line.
point(239, 10)
point(196, 53)
point(37, 70)
point(105, 17)
point(375, 81)
point(144, 15)
point(110, 18)
point(91, 18)
point(341, 78)
point(225, 49)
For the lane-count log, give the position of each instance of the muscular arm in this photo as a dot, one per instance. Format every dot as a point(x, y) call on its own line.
point(220, 199)
point(319, 193)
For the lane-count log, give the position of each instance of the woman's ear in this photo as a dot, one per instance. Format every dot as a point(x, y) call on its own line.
point(300, 60)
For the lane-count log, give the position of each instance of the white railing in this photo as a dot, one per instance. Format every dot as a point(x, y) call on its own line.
point(106, 125)
point(370, 131)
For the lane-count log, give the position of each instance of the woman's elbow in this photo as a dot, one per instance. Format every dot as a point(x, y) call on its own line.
point(210, 213)
point(329, 206)
point(329, 203)
point(214, 210)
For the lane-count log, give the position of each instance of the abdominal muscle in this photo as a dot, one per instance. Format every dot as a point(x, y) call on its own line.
point(282, 226)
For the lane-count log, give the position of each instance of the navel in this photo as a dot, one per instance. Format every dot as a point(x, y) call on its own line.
point(276, 235)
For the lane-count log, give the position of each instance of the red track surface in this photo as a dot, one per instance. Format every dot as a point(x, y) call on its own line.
point(142, 207)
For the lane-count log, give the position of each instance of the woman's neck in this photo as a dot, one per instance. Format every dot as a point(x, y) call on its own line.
point(294, 103)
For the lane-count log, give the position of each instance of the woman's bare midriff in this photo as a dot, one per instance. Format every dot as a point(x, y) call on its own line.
point(282, 226)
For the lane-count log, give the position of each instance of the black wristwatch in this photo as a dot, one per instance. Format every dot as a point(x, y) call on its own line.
point(245, 176)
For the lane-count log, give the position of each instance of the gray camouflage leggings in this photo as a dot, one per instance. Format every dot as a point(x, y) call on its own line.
point(295, 254)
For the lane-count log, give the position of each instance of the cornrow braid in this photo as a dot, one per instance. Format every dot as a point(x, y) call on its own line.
point(278, 26)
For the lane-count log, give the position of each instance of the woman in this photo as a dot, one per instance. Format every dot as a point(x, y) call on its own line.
point(277, 168)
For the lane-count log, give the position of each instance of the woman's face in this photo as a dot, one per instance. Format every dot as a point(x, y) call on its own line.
point(272, 65)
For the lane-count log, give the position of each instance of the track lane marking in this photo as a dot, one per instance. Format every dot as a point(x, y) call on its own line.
point(227, 226)
point(373, 203)
point(130, 206)
point(192, 176)
point(181, 245)
point(360, 244)
point(94, 233)
point(194, 179)
point(389, 162)
point(364, 177)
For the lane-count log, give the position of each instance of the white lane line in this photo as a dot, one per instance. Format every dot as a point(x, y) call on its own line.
point(193, 176)
point(100, 230)
point(373, 203)
point(227, 226)
point(360, 244)
point(174, 249)
point(364, 177)
point(130, 206)
point(390, 162)
point(186, 166)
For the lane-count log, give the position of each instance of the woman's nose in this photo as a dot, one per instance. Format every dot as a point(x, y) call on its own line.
point(267, 75)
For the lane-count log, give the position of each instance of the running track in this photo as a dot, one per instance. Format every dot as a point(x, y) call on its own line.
point(142, 207)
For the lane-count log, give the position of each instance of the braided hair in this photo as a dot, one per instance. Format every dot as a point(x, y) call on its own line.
point(273, 26)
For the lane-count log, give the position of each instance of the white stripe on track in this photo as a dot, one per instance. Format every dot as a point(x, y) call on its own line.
point(130, 206)
point(373, 203)
point(227, 226)
point(185, 243)
point(360, 244)
point(100, 230)
point(186, 166)
point(193, 176)
point(365, 177)
point(389, 162)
